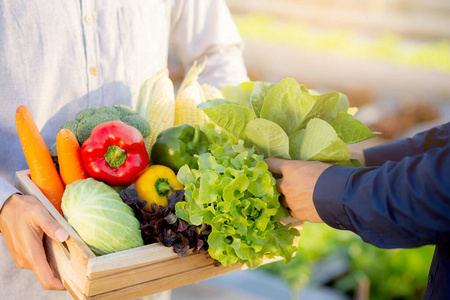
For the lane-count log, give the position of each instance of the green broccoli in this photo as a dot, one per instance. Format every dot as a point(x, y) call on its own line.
point(87, 119)
point(123, 110)
point(72, 125)
point(86, 113)
point(137, 122)
point(86, 125)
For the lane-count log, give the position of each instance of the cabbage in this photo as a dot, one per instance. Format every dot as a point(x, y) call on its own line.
point(96, 211)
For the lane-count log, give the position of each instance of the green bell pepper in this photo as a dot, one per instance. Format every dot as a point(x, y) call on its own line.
point(176, 146)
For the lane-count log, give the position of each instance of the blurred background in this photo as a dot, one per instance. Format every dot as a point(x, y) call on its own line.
point(392, 59)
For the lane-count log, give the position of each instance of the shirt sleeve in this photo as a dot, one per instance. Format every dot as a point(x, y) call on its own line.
point(206, 28)
point(435, 137)
point(6, 190)
point(401, 204)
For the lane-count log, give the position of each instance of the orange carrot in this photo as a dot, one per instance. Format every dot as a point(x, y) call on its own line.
point(42, 170)
point(71, 167)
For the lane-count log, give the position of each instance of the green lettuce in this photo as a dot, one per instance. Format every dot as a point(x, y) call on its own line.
point(269, 137)
point(259, 91)
point(233, 118)
point(351, 130)
point(233, 191)
point(318, 141)
point(288, 120)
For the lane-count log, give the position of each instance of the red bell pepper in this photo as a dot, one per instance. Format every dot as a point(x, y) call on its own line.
point(115, 153)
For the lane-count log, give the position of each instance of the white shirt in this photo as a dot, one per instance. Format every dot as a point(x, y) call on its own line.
point(59, 57)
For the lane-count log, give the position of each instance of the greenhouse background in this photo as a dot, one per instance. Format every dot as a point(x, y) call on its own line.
point(392, 59)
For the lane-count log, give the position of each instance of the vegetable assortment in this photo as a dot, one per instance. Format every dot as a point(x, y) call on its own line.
point(114, 154)
point(205, 189)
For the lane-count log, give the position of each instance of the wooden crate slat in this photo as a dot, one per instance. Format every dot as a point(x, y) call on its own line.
point(158, 267)
point(163, 284)
point(151, 271)
point(111, 263)
point(71, 275)
point(171, 282)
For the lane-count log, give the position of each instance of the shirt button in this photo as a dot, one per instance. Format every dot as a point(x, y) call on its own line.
point(89, 19)
point(430, 279)
point(93, 70)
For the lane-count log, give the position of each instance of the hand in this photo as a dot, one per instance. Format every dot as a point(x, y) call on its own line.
point(357, 152)
point(23, 222)
point(297, 185)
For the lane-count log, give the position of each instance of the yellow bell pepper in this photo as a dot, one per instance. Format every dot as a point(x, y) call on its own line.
point(154, 185)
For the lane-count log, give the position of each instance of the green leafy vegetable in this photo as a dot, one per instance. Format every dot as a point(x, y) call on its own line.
point(259, 92)
point(323, 105)
point(230, 117)
point(233, 192)
point(96, 211)
point(288, 120)
point(351, 130)
point(269, 136)
point(162, 225)
point(285, 106)
point(237, 94)
point(318, 141)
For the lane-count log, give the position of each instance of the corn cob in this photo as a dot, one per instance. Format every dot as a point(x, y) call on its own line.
point(156, 103)
point(190, 94)
point(352, 110)
point(211, 92)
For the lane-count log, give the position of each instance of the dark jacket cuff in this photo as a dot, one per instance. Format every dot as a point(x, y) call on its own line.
point(328, 194)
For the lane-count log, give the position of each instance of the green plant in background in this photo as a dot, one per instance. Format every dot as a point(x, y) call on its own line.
point(393, 273)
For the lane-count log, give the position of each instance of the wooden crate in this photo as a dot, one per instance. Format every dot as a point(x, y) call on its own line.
point(122, 275)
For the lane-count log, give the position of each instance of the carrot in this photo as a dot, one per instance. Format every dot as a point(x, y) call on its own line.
point(42, 170)
point(71, 167)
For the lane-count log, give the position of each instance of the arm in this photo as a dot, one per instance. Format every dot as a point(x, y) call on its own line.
point(6, 190)
point(206, 28)
point(400, 204)
point(435, 137)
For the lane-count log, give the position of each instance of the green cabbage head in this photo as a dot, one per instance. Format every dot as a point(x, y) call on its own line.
point(96, 211)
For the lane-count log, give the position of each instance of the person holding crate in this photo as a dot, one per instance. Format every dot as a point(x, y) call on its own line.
point(57, 58)
point(400, 200)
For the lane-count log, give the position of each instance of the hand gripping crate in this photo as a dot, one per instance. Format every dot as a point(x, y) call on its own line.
point(127, 274)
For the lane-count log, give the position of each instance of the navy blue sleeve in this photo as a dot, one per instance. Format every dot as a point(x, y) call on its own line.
point(420, 143)
point(401, 204)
